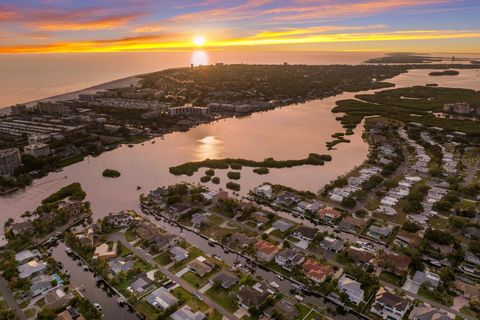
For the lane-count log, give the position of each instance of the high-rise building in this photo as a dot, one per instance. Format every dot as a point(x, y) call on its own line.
point(9, 161)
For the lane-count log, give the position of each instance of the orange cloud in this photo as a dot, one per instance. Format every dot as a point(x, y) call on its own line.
point(95, 24)
point(169, 42)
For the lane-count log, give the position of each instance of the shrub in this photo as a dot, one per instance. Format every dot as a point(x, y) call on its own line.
point(235, 166)
point(233, 186)
point(210, 172)
point(261, 170)
point(205, 179)
point(216, 180)
point(110, 173)
point(233, 175)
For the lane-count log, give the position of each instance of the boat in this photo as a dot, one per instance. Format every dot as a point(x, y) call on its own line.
point(68, 250)
point(138, 187)
point(97, 306)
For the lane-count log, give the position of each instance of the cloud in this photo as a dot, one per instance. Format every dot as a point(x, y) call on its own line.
point(169, 42)
point(88, 24)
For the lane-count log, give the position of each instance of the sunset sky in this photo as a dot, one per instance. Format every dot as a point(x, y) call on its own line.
point(44, 26)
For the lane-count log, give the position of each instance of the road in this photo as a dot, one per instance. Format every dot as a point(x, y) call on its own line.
point(118, 236)
point(10, 299)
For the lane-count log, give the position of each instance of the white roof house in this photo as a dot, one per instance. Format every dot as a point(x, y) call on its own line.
point(352, 288)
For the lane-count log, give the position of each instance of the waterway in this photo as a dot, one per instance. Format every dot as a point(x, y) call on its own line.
point(290, 132)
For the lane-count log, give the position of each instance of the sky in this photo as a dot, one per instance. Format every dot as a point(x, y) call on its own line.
point(52, 26)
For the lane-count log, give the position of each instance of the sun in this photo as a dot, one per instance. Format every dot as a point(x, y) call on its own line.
point(199, 41)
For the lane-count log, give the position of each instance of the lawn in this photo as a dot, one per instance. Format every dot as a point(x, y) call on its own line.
point(215, 315)
point(147, 310)
point(391, 278)
point(130, 235)
point(29, 313)
point(145, 267)
point(188, 298)
point(195, 280)
point(122, 250)
point(163, 259)
point(221, 296)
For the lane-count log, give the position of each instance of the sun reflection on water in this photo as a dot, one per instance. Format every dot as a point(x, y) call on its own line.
point(199, 58)
point(208, 148)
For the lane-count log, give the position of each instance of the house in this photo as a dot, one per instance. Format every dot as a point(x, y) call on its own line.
point(57, 298)
point(25, 227)
point(352, 288)
point(179, 209)
point(70, 314)
point(26, 255)
point(149, 233)
point(282, 225)
point(120, 264)
point(331, 244)
point(40, 284)
point(426, 278)
point(73, 207)
point(390, 306)
point(286, 199)
point(471, 233)
point(162, 299)
point(378, 232)
point(284, 308)
point(426, 312)
point(329, 214)
point(201, 266)
point(31, 268)
point(240, 240)
point(249, 296)
point(264, 191)
point(186, 313)
point(408, 239)
point(120, 219)
point(198, 219)
point(259, 217)
point(265, 250)
point(305, 233)
point(225, 279)
point(315, 271)
point(141, 283)
point(178, 253)
point(289, 258)
point(350, 223)
point(361, 257)
point(395, 263)
point(105, 251)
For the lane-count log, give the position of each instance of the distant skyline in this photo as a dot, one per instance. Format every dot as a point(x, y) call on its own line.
point(46, 26)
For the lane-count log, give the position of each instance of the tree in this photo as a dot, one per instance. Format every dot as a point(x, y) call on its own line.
point(46, 314)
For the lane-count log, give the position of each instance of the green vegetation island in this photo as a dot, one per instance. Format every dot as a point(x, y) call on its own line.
point(111, 173)
point(190, 168)
point(444, 73)
point(415, 104)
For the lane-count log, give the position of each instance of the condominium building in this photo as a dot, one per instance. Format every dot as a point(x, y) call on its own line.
point(9, 161)
point(37, 150)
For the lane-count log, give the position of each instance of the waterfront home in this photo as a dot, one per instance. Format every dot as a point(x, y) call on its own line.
point(265, 251)
point(31, 268)
point(73, 207)
point(394, 262)
point(86, 237)
point(360, 256)
point(252, 296)
point(201, 266)
point(352, 288)
point(186, 313)
point(331, 244)
point(70, 314)
point(259, 217)
point(215, 196)
point(120, 219)
point(179, 209)
point(40, 284)
point(105, 251)
point(308, 207)
point(225, 279)
point(284, 308)
point(304, 233)
point(426, 312)
point(286, 199)
point(427, 278)
point(329, 214)
point(162, 299)
point(282, 225)
point(178, 254)
point(22, 228)
point(152, 236)
point(316, 271)
point(120, 264)
point(289, 258)
point(198, 219)
point(58, 298)
point(264, 191)
point(26, 255)
point(239, 240)
point(141, 283)
point(389, 305)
